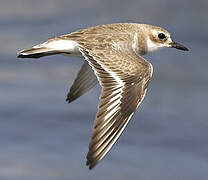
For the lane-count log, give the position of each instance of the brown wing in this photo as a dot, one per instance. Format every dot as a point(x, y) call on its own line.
point(84, 81)
point(124, 77)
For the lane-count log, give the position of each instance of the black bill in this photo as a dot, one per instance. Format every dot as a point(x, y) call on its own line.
point(178, 46)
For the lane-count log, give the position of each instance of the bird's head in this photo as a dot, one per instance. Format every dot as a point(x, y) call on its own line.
point(159, 38)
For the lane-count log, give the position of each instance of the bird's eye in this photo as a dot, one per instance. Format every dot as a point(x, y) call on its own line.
point(161, 36)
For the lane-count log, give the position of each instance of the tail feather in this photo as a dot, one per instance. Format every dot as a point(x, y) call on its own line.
point(50, 47)
point(36, 52)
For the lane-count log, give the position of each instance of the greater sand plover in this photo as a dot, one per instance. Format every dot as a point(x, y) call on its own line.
point(113, 57)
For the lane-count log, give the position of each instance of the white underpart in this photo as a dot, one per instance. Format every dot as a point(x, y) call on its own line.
point(64, 46)
point(151, 46)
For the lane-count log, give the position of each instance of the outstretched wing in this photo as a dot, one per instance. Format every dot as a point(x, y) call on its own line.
point(84, 81)
point(124, 77)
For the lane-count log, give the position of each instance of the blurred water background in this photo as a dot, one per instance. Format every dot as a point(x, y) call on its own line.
point(44, 138)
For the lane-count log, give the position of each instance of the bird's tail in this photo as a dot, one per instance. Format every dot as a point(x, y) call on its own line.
point(50, 47)
point(35, 53)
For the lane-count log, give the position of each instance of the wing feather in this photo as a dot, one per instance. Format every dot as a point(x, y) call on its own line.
point(121, 94)
point(84, 81)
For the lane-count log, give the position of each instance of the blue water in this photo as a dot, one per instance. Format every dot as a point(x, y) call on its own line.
point(43, 137)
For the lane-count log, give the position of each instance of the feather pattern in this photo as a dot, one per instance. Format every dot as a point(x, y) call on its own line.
point(121, 94)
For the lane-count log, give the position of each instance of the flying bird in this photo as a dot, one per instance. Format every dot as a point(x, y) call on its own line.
point(113, 58)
